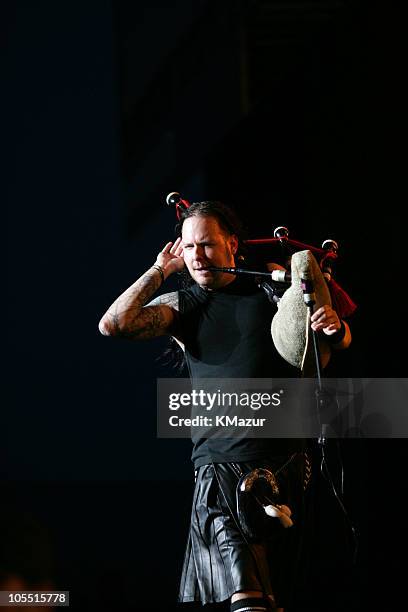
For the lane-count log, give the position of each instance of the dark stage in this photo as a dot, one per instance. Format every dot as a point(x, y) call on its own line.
point(289, 111)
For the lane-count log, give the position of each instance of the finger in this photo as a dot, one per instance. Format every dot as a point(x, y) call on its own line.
point(179, 252)
point(167, 248)
point(320, 320)
point(175, 246)
point(324, 314)
point(325, 309)
point(318, 313)
point(326, 325)
point(333, 327)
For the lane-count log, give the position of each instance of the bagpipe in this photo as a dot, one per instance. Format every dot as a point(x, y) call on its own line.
point(308, 285)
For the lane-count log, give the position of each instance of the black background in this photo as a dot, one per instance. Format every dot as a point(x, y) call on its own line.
point(293, 113)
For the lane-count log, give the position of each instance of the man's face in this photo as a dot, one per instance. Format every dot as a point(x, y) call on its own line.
point(206, 244)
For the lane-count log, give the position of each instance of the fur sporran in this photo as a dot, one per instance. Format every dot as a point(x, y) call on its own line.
point(256, 492)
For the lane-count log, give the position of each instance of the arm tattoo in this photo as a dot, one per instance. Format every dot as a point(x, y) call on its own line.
point(169, 299)
point(130, 318)
point(148, 324)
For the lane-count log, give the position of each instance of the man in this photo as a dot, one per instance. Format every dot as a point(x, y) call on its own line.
point(223, 325)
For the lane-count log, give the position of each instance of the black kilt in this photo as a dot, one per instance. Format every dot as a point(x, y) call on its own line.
point(218, 562)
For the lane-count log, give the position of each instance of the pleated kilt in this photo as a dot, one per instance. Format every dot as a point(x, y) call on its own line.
point(218, 562)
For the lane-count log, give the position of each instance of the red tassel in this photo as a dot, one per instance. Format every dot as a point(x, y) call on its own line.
point(341, 301)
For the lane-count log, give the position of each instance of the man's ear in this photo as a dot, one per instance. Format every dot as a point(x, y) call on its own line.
point(233, 240)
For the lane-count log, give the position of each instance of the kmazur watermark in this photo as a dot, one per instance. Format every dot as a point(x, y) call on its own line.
point(285, 408)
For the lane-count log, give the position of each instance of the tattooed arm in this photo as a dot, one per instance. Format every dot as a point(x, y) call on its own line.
point(131, 316)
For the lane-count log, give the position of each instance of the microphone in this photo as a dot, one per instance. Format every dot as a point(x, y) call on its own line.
point(279, 276)
point(236, 271)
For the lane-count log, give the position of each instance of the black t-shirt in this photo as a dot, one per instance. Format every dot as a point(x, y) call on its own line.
point(227, 334)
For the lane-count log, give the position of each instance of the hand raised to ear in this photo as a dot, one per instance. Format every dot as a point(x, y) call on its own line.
point(170, 259)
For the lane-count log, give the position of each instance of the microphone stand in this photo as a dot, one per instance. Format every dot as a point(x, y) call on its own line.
point(238, 271)
point(274, 287)
point(321, 398)
point(310, 301)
